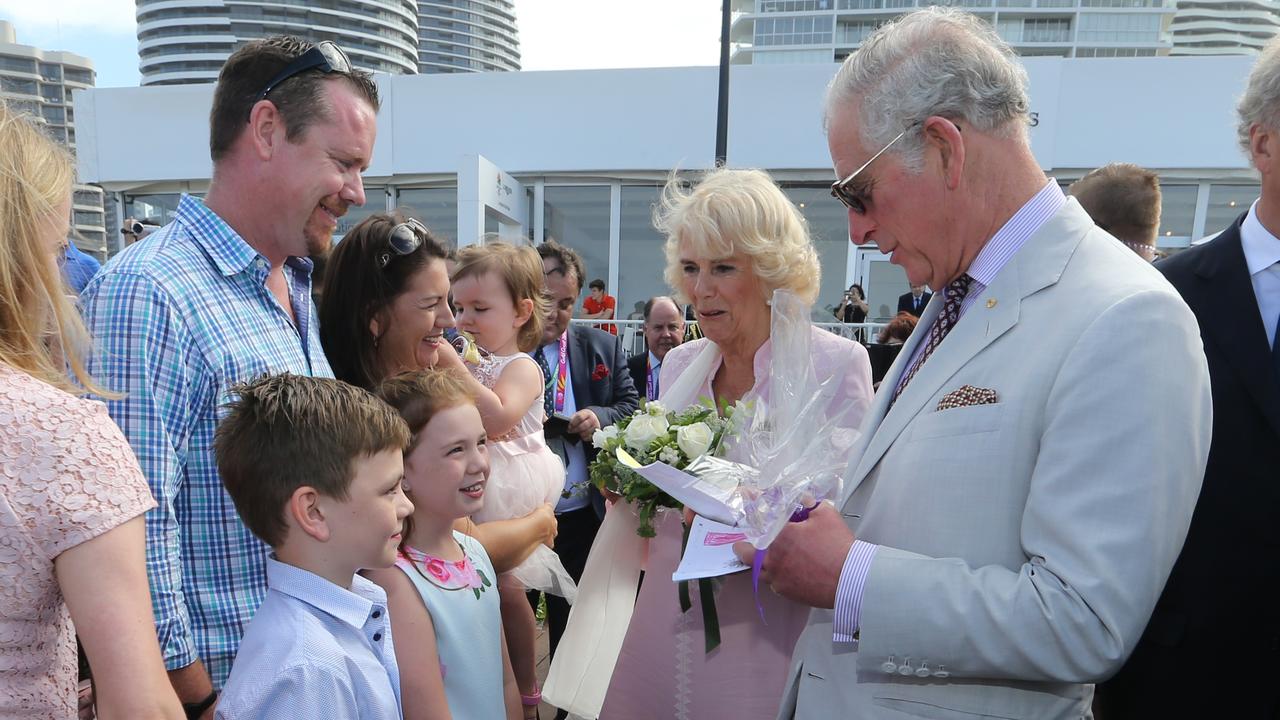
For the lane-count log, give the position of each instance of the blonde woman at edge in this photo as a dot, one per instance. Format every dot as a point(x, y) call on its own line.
point(71, 494)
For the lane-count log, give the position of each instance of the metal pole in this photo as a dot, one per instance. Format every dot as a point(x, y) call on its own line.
point(722, 108)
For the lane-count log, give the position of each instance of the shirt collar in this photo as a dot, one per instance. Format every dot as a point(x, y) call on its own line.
point(1014, 234)
point(229, 252)
point(1261, 248)
point(352, 607)
point(654, 362)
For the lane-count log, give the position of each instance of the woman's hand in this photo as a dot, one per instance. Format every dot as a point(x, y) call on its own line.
point(547, 516)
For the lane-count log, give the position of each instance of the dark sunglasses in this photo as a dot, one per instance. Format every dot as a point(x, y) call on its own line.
point(404, 239)
point(853, 200)
point(324, 56)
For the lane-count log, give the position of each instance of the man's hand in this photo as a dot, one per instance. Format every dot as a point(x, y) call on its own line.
point(805, 560)
point(583, 424)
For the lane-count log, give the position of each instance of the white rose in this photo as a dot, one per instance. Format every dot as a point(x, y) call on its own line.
point(694, 439)
point(643, 430)
point(603, 435)
point(655, 408)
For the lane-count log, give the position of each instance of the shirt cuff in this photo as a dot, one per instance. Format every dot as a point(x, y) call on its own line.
point(848, 610)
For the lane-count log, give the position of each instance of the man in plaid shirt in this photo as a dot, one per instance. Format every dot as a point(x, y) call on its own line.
point(220, 295)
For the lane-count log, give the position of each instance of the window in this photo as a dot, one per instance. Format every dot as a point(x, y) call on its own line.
point(1177, 211)
point(158, 208)
point(829, 228)
point(578, 216)
point(437, 208)
point(641, 251)
point(1120, 27)
point(1226, 203)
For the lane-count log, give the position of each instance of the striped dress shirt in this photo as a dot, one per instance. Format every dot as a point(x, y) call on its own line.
point(994, 255)
point(177, 319)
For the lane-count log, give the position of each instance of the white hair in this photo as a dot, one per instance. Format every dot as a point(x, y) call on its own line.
point(934, 61)
point(1261, 101)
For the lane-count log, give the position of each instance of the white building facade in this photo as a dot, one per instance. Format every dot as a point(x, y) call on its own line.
point(467, 36)
point(39, 83)
point(1224, 27)
point(789, 31)
point(591, 150)
point(187, 41)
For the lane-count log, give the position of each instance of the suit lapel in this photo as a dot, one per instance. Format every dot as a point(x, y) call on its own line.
point(1225, 289)
point(1038, 264)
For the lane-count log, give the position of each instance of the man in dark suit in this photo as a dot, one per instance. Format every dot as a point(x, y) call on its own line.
point(914, 301)
point(594, 391)
point(663, 330)
point(1212, 647)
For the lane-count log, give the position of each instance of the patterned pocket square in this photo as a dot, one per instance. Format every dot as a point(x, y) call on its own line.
point(966, 396)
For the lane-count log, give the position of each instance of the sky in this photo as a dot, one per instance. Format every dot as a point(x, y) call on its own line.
point(554, 34)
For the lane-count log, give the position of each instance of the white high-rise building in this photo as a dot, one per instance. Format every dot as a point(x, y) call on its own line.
point(467, 36)
point(814, 31)
point(39, 83)
point(187, 41)
point(1224, 27)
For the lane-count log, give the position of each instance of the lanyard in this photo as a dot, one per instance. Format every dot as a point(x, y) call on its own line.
point(562, 372)
point(650, 385)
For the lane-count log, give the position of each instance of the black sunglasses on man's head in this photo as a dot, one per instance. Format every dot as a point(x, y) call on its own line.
point(324, 56)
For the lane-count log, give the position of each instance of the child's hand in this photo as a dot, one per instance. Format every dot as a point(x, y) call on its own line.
point(547, 515)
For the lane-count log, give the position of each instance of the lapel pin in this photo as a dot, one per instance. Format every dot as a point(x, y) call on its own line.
point(991, 302)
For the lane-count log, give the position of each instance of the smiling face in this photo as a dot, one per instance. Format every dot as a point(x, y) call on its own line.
point(410, 331)
point(319, 176)
point(448, 468)
point(365, 527)
point(905, 214)
point(664, 329)
point(727, 296)
point(562, 287)
point(486, 310)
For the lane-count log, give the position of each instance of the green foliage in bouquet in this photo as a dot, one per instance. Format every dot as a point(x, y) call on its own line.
point(655, 434)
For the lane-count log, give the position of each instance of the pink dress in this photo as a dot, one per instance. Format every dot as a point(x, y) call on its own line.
point(663, 670)
point(523, 474)
point(67, 475)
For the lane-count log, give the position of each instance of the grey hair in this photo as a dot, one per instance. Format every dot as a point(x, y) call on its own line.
point(1260, 103)
point(933, 61)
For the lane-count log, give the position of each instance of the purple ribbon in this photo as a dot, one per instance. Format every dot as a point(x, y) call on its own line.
point(757, 562)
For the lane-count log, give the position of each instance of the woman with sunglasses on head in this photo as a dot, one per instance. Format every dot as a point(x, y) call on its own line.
point(384, 311)
point(72, 497)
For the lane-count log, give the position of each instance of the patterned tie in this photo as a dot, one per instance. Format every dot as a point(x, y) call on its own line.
point(548, 388)
point(947, 319)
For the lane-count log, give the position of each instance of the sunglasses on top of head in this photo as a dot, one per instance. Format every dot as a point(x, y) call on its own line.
point(403, 240)
point(324, 56)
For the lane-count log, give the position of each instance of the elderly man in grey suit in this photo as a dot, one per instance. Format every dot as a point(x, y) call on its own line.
point(1028, 470)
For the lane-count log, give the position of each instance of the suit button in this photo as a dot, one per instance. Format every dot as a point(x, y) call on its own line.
point(941, 672)
point(906, 670)
point(923, 671)
point(889, 666)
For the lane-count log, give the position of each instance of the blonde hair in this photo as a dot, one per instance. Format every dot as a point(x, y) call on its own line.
point(41, 332)
point(742, 211)
point(520, 269)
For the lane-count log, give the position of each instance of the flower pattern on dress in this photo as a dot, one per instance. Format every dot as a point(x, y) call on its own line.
point(67, 475)
point(446, 574)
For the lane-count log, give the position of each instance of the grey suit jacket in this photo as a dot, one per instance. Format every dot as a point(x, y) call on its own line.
point(1023, 543)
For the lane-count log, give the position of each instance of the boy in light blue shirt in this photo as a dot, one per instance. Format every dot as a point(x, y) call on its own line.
point(315, 469)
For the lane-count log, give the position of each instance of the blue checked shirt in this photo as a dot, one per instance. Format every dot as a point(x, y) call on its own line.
point(177, 319)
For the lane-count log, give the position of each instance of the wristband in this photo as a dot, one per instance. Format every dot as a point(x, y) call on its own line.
point(195, 709)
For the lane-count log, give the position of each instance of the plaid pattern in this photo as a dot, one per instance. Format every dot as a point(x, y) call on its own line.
point(177, 319)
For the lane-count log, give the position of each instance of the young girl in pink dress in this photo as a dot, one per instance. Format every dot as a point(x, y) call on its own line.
point(497, 289)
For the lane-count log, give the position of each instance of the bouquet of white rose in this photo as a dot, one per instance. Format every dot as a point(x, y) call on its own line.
point(655, 434)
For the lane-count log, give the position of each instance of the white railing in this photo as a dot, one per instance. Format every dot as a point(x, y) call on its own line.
point(632, 333)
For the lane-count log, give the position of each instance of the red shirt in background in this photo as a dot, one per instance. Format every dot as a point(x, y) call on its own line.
point(592, 306)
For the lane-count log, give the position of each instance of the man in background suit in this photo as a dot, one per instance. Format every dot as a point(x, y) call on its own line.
point(663, 330)
point(1030, 463)
point(1212, 646)
point(914, 301)
point(593, 392)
